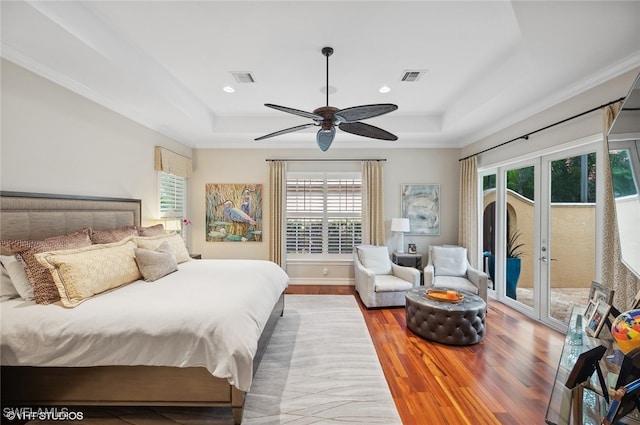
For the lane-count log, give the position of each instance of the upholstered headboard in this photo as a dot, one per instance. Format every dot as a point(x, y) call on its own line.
point(38, 216)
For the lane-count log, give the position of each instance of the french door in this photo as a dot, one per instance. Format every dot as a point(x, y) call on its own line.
point(539, 233)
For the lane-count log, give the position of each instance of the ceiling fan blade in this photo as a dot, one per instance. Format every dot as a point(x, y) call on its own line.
point(285, 131)
point(295, 111)
point(357, 113)
point(324, 138)
point(366, 130)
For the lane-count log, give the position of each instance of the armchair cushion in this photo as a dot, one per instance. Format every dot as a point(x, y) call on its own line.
point(389, 283)
point(449, 261)
point(375, 258)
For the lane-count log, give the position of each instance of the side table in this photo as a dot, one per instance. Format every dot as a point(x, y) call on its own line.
point(409, 260)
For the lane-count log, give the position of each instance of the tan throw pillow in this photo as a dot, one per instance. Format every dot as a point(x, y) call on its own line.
point(155, 264)
point(113, 235)
point(174, 240)
point(44, 288)
point(156, 230)
point(82, 273)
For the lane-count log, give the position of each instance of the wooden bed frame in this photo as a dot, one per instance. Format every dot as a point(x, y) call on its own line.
point(38, 216)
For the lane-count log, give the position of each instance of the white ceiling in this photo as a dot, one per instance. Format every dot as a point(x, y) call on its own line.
point(164, 63)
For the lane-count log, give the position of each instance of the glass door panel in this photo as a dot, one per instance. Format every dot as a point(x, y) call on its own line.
point(519, 230)
point(568, 254)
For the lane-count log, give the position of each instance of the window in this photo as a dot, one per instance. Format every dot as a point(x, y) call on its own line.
point(172, 190)
point(324, 213)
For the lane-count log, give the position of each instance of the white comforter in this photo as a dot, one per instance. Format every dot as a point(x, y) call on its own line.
point(209, 313)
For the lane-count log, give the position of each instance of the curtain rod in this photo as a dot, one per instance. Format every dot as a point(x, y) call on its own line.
point(326, 160)
point(526, 136)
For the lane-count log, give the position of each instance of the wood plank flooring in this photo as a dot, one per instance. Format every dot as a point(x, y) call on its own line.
point(505, 379)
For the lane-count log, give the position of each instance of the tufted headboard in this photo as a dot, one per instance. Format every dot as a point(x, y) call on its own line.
point(38, 216)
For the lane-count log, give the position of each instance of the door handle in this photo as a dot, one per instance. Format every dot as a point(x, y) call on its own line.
point(545, 259)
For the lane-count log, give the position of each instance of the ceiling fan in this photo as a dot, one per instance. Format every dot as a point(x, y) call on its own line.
point(329, 117)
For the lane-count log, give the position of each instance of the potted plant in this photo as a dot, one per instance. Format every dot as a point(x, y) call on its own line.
point(514, 262)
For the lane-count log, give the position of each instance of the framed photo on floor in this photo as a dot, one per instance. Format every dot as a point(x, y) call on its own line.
point(597, 319)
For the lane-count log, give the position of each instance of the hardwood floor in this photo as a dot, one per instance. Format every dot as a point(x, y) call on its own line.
point(505, 379)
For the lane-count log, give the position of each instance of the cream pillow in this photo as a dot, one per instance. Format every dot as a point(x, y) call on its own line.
point(82, 273)
point(449, 261)
point(375, 258)
point(18, 277)
point(173, 239)
point(155, 264)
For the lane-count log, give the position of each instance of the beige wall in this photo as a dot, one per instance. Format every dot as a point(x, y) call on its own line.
point(402, 166)
point(573, 244)
point(54, 141)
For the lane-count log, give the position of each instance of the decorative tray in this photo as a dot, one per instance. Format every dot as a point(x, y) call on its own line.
point(445, 296)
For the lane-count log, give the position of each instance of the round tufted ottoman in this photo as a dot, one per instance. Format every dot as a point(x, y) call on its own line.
point(450, 323)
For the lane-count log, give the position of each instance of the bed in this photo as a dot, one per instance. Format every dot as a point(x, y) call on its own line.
point(191, 338)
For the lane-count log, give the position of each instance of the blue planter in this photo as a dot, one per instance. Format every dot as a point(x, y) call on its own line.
point(513, 273)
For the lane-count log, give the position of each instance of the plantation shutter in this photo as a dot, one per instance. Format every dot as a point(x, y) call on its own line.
point(171, 195)
point(324, 214)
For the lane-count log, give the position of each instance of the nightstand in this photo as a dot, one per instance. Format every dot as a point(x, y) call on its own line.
point(409, 260)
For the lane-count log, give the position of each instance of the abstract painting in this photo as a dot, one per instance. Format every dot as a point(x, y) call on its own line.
point(233, 212)
point(421, 205)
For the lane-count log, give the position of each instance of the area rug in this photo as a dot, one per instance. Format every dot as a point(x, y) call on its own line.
point(319, 368)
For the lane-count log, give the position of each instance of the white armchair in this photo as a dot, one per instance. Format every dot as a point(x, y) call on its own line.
point(379, 282)
point(448, 267)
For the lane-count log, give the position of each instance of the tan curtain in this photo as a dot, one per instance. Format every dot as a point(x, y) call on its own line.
point(372, 203)
point(173, 163)
point(614, 273)
point(468, 214)
point(277, 198)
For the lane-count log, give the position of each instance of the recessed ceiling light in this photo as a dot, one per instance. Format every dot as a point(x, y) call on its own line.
point(229, 89)
point(384, 89)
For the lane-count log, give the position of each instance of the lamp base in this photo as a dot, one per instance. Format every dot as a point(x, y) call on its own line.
point(400, 242)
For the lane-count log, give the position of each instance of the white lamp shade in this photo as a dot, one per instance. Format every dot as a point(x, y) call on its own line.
point(400, 225)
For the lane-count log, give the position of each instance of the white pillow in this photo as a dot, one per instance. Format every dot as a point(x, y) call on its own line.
point(375, 258)
point(7, 290)
point(175, 241)
point(449, 261)
point(19, 279)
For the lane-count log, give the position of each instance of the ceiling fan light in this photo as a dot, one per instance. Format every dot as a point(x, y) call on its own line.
point(324, 138)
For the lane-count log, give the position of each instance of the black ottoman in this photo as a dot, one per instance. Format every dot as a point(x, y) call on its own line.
point(459, 323)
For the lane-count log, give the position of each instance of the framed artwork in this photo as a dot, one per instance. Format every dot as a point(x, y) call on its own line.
point(412, 248)
point(585, 366)
point(599, 292)
point(233, 212)
point(589, 312)
point(597, 319)
point(421, 205)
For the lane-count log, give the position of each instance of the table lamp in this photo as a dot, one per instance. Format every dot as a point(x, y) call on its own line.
point(399, 226)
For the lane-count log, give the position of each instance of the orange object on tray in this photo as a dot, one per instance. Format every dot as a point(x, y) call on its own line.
point(444, 295)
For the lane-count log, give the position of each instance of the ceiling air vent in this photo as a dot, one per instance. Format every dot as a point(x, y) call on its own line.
point(411, 76)
point(243, 76)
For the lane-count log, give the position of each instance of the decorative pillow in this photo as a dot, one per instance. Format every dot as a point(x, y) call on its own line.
point(449, 261)
point(156, 230)
point(17, 276)
point(174, 240)
point(155, 264)
point(82, 273)
point(113, 235)
point(375, 258)
point(44, 289)
point(7, 290)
